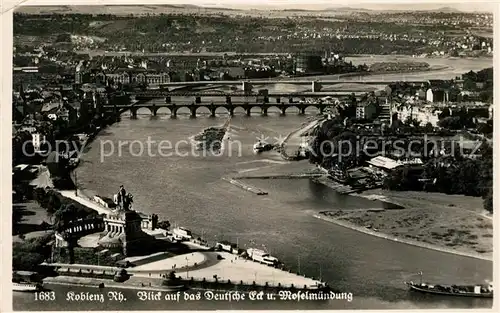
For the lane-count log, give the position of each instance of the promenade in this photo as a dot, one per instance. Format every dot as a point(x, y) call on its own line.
point(237, 269)
point(85, 201)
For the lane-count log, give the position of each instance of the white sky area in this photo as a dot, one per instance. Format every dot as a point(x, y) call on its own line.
point(370, 5)
point(470, 6)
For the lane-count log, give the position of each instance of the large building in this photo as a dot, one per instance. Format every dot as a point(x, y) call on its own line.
point(123, 76)
point(384, 165)
point(423, 114)
point(366, 111)
point(308, 63)
point(436, 95)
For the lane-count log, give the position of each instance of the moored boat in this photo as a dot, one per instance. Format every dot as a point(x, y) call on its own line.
point(25, 287)
point(260, 146)
point(476, 291)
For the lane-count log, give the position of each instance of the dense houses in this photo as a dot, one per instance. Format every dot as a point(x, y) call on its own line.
point(47, 102)
point(370, 32)
point(366, 111)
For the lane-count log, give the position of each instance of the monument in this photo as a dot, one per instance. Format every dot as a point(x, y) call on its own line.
point(122, 227)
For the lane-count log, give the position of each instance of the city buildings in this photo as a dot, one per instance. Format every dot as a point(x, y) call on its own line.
point(366, 111)
point(423, 114)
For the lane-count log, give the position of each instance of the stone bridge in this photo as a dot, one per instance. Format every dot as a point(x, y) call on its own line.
point(229, 108)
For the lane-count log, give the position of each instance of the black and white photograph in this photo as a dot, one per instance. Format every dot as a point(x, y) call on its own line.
point(239, 155)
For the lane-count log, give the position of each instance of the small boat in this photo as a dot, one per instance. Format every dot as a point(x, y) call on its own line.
point(26, 287)
point(476, 291)
point(259, 146)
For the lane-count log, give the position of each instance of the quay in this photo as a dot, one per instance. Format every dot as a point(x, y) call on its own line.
point(196, 266)
point(246, 187)
point(338, 187)
point(282, 176)
point(220, 270)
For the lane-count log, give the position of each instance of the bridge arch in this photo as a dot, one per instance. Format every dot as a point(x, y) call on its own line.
point(182, 109)
point(203, 110)
point(291, 109)
point(163, 111)
point(255, 109)
point(239, 110)
point(311, 109)
point(276, 109)
point(223, 110)
point(142, 110)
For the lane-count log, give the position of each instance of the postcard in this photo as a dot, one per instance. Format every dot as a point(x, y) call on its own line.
point(251, 156)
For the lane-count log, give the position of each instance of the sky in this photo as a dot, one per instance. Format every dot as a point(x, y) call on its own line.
point(469, 6)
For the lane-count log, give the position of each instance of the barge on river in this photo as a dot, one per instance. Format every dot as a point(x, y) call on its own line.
point(260, 146)
point(476, 291)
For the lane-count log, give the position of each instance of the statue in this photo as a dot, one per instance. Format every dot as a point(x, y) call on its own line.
point(123, 199)
point(127, 203)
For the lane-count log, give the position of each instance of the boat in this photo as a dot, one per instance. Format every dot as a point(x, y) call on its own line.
point(259, 146)
point(303, 152)
point(26, 287)
point(262, 257)
point(476, 291)
point(182, 234)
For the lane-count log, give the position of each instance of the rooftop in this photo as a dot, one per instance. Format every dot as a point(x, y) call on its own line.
point(384, 162)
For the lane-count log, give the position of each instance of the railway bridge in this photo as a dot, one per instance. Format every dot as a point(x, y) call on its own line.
point(316, 84)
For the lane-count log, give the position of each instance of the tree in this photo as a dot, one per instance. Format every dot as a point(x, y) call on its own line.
point(428, 128)
point(64, 216)
point(401, 179)
point(63, 38)
point(26, 261)
point(396, 180)
point(53, 203)
point(485, 128)
point(29, 254)
point(39, 195)
point(469, 84)
point(488, 201)
point(451, 122)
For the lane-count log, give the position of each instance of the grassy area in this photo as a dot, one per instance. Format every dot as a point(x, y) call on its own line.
point(27, 254)
point(29, 217)
point(87, 256)
point(447, 221)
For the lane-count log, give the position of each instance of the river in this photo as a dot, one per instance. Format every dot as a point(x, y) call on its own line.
point(188, 190)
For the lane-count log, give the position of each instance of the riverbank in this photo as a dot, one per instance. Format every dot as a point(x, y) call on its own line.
point(135, 284)
point(297, 138)
point(195, 270)
point(446, 223)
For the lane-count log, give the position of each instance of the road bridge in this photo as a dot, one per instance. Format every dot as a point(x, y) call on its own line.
point(292, 97)
point(247, 101)
point(213, 106)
